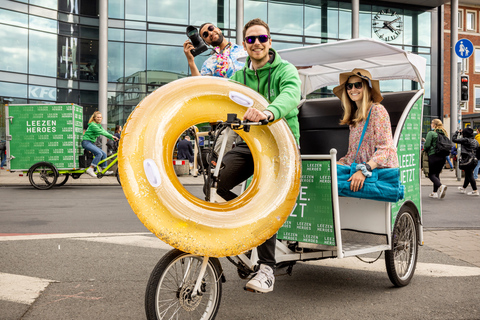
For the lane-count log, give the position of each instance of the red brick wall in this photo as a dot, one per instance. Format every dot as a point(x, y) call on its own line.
point(474, 77)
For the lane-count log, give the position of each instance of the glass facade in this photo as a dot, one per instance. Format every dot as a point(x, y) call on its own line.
point(52, 51)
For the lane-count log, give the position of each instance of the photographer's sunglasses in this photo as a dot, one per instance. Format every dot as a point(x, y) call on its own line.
point(210, 29)
point(358, 85)
point(262, 38)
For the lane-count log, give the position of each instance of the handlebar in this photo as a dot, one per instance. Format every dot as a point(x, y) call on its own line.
point(237, 124)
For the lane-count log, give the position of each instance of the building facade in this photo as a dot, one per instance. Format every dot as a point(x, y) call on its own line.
point(468, 28)
point(50, 47)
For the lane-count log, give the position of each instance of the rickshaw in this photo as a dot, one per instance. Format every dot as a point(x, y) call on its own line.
point(322, 224)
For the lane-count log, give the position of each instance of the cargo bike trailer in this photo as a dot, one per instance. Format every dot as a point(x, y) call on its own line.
point(44, 142)
point(322, 225)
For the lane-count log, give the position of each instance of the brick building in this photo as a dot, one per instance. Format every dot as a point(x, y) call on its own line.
point(468, 28)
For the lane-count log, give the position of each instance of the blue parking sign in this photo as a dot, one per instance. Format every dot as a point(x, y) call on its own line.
point(464, 48)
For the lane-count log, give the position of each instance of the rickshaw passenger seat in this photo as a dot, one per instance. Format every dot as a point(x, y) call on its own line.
point(319, 120)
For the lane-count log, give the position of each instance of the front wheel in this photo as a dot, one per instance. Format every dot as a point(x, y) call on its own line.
point(169, 289)
point(402, 259)
point(43, 175)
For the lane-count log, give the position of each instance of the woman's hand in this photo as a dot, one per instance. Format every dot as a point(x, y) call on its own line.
point(115, 138)
point(356, 181)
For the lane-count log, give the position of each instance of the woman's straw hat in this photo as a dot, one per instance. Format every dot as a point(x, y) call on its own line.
point(364, 74)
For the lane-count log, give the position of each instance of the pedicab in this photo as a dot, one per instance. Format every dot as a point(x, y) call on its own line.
point(295, 196)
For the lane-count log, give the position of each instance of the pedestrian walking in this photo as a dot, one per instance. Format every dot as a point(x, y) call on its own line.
point(468, 160)
point(435, 161)
point(477, 153)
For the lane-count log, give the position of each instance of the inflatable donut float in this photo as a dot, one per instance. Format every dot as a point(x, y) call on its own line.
point(176, 216)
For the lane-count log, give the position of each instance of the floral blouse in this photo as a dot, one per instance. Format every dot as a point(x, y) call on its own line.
point(377, 143)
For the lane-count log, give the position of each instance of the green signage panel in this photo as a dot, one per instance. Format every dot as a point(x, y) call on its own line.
point(51, 133)
point(312, 219)
point(408, 151)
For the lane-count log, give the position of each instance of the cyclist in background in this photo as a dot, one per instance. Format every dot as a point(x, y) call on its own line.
point(95, 130)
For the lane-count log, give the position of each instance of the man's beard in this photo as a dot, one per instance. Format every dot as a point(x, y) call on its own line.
point(219, 40)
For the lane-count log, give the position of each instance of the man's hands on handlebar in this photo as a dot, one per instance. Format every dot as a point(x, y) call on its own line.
point(254, 115)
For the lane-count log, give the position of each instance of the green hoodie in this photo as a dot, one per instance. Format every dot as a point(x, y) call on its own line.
point(94, 131)
point(281, 77)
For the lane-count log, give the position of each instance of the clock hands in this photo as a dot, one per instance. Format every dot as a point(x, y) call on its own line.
point(388, 25)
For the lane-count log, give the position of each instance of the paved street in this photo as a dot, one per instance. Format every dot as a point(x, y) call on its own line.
point(79, 252)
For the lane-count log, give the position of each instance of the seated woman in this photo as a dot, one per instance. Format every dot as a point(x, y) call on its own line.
point(360, 96)
point(95, 130)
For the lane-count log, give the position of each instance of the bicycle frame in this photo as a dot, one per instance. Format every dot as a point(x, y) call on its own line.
point(102, 171)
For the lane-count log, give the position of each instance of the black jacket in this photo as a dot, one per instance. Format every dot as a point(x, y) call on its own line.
point(469, 145)
point(185, 150)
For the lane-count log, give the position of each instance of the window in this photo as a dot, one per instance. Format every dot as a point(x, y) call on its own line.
point(477, 98)
point(14, 57)
point(460, 19)
point(477, 59)
point(471, 18)
point(42, 53)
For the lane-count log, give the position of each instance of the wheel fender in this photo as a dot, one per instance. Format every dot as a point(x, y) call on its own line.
point(167, 209)
point(55, 170)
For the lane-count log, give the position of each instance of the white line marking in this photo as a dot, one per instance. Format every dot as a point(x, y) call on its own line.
point(66, 236)
point(422, 269)
point(134, 240)
point(21, 289)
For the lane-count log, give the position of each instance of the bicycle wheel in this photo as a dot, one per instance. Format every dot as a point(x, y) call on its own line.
point(402, 259)
point(169, 289)
point(43, 175)
point(61, 182)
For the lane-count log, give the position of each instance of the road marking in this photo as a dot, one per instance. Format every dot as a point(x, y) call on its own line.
point(16, 237)
point(21, 289)
point(133, 240)
point(422, 269)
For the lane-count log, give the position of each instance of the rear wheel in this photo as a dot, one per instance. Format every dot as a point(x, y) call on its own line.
point(402, 259)
point(170, 287)
point(62, 179)
point(43, 175)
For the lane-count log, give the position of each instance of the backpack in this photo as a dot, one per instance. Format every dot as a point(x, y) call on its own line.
point(444, 145)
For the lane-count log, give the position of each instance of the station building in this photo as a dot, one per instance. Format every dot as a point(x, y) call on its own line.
point(50, 48)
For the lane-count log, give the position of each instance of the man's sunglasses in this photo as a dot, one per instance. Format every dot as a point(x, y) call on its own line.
point(357, 85)
point(262, 38)
point(210, 29)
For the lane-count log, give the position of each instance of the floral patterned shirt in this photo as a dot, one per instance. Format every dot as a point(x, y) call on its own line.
point(224, 64)
point(377, 143)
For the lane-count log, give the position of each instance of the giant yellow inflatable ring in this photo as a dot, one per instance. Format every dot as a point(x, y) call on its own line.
point(161, 202)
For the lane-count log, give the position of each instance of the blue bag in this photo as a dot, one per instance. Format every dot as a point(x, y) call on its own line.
point(383, 185)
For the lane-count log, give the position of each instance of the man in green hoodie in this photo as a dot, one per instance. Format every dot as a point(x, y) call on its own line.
point(278, 81)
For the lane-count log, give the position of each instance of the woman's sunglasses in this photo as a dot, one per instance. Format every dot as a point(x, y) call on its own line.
point(262, 38)
point(357, 85)
point(210, 29)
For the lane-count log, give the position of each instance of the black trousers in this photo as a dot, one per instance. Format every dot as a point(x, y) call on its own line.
point(239, 167)
point(435, 165)
point(469, 179)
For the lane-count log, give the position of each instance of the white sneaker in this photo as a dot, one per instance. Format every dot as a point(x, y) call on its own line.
point(433, 195)
point(109, 173)
point(442, 191)
point(91, 173)
point(462, 190)
point(473, 193)
point(263, 281)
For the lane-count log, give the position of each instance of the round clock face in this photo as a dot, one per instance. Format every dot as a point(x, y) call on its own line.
point(387, 25)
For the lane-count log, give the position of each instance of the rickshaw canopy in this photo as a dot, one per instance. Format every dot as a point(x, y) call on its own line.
point(320, 65)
